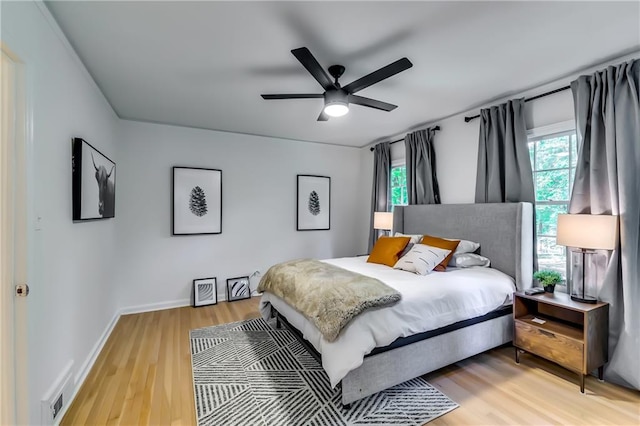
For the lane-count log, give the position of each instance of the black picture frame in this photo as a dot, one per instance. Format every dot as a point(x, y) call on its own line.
point(238, 288)
point(205, 292)
point(197, 201)
point(93, 183)
point(313, 203)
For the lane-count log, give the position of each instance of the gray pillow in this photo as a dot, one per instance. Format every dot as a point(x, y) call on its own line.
point(467, 260)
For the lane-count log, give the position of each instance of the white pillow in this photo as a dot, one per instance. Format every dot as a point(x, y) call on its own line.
point(467, 260)
point(465, 246)
point(415, 238)
point(421, 259)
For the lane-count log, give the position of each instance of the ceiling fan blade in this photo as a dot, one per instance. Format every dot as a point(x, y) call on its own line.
point(311, 64)
point(379, 75)
point(372, 103)
point(294, 96)
point(323, 116)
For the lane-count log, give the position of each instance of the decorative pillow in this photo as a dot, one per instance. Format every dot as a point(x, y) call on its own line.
point(467, 260)
point(465, 246)
point(415, 239)
point(387, 250)
point(421, 259)
point(442, 243)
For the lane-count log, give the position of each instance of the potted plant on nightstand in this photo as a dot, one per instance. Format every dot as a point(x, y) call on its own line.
point(548, 279)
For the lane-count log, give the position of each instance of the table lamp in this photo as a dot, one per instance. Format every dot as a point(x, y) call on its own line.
point(586, 233)
point(383, 221)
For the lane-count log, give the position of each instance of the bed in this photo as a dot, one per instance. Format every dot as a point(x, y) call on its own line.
point(368, 360)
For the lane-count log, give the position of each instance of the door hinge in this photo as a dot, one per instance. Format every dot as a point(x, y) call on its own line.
point(22, 290)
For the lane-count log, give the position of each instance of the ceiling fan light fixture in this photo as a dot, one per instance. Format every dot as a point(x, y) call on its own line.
point(336, 109)
point(336, 103)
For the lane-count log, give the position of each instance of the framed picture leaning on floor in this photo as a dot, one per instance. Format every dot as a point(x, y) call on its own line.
point(205, 291)
point(238, 288)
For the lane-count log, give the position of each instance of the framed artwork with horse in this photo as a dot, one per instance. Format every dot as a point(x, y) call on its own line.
point(93, 182)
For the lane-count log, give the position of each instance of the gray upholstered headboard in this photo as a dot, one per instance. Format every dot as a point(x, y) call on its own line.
point(504, 231)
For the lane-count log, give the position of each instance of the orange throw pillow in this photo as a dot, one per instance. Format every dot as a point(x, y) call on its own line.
point(387, 250)
point(443, 244)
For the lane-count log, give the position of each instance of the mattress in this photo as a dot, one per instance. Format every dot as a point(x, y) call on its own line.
point(428, 302)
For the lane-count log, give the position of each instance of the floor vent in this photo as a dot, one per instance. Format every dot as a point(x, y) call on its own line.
point(58, 397)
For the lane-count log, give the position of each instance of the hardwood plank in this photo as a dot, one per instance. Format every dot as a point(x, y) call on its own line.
point(143, 376)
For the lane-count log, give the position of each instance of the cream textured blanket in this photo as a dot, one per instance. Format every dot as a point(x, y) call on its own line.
point(326, 295)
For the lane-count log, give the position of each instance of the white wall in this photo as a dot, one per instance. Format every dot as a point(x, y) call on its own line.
point(70, 265)
point(258, 217)
point(456, 145)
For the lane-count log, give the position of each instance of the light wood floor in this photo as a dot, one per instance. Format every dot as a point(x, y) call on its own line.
point(143, 376)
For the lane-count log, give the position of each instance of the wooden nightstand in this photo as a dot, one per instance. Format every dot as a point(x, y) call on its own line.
point(573, 335)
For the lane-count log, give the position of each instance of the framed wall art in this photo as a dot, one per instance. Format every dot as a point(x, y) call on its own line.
point(313, 203)
point(238, 289)
point(93, 181)
point(205, 291)
point(197, 201)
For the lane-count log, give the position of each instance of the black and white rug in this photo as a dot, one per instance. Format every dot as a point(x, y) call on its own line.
point(248, 373)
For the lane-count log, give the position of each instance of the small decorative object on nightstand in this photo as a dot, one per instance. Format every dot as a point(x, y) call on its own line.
point(548, 279)
point(572, 334)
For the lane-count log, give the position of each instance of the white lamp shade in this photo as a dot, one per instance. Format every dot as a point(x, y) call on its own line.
point(383, 220)
point(587, 231)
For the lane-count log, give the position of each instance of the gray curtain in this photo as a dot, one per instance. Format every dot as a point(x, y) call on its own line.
point(504, 168)
point(422, 182)
point(380, 191)
point(608, 182)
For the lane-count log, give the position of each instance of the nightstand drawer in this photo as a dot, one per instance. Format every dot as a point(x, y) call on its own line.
point(550, 345)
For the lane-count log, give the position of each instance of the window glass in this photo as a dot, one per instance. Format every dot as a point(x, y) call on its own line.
point(553, 160)
point(552, 185)
point(398, 186)
point(552, 153)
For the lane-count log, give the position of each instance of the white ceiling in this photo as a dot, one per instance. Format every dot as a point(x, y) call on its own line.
point(205, 64)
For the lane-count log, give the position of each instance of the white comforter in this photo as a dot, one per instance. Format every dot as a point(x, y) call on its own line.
point(428, 302)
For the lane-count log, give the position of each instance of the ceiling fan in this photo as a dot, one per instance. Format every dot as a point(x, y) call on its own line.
point(336, 97)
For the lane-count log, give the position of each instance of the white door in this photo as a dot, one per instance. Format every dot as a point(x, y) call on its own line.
point(13, 241)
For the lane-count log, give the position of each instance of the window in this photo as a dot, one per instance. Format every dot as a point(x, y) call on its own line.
point(398, 185)
point(553, 160)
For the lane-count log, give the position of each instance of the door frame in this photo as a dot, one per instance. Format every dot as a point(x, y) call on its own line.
point(14, 222)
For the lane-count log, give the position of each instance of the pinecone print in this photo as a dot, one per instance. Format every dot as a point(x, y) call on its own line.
point(314, 203)
point(198, 202)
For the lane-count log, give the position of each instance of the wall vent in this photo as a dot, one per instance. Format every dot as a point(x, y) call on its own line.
point(58, 397)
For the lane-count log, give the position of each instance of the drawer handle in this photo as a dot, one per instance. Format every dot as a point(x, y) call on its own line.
point(546, 333)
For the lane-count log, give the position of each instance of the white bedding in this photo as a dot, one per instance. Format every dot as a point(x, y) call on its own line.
point(428, 302)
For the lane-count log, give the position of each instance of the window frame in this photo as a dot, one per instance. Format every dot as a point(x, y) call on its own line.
point(395, 164)
point(565, 128)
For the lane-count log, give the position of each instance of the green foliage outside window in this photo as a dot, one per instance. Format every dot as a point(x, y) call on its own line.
point(398, 185)
point(553, 160)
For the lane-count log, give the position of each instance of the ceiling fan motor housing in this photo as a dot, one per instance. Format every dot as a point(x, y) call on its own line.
point(336, 96)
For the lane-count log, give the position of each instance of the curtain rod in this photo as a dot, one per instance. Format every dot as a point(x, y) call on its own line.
point(402, 140)
point(562, 89)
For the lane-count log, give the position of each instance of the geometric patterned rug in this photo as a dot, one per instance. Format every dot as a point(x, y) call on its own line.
point(249, 373)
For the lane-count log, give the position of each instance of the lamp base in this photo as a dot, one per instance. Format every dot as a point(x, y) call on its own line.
point(584, 299)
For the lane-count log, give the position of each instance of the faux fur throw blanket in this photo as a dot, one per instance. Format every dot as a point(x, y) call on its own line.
point(325, 294)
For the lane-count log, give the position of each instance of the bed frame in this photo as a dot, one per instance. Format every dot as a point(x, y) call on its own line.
point(505, 234)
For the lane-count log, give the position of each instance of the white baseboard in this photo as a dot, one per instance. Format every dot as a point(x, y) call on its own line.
point(86, 367)
point(155, 306)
